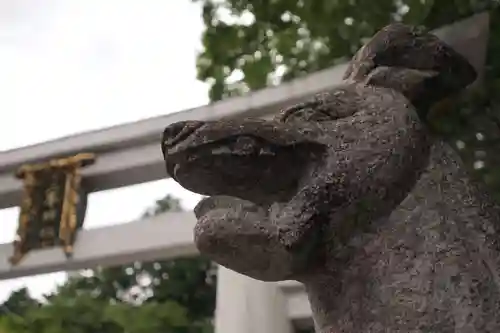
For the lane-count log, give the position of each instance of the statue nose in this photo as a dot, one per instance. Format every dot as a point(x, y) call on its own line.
point(178, 131)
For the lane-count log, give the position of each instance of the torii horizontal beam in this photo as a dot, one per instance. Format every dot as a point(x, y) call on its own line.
point(167, 235)
point(130, 154)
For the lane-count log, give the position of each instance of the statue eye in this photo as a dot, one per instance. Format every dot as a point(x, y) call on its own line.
point(310, 112)
point(328, 106)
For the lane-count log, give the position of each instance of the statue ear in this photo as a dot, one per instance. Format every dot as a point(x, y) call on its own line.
point(418, 86)
point(413, 48)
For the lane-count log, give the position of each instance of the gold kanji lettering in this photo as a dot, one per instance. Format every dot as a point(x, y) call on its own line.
point(47, 233)
point(51, 197)
point(27, 202)
point(49, 207)
point(49, 215)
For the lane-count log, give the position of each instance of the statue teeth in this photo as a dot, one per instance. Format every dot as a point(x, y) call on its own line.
point(221, 150)
point(266, 151)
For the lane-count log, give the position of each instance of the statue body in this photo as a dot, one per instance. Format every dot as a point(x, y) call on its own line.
point(351, 194)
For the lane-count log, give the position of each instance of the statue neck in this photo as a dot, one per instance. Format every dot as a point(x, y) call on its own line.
point(432, 266)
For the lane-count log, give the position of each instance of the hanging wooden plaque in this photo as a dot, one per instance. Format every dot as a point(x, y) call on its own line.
point(53, 205)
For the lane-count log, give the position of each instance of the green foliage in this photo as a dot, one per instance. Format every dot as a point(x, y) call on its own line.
point(85, 313)
point(162, 296)
point(190, 282)
point(249, 45)
point(18, 303)
point(166, 204)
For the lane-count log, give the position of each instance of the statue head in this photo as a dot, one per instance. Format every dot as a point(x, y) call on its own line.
point(352, 153)
point(389, 86)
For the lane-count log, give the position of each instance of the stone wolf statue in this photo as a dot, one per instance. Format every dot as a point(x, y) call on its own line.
point(351, 194)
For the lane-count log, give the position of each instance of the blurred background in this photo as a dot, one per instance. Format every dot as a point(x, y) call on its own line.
point(69, 66)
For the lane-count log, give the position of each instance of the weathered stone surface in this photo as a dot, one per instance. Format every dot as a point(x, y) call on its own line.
point(351, 194)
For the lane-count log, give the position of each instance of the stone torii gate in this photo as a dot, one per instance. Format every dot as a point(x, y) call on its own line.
point(130, 154)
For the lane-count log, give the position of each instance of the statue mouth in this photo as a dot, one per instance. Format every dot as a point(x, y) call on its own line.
point(238, 157)
point(238, 146)
point(241, 158)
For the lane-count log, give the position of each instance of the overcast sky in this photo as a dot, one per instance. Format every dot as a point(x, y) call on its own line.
point(69, 66)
